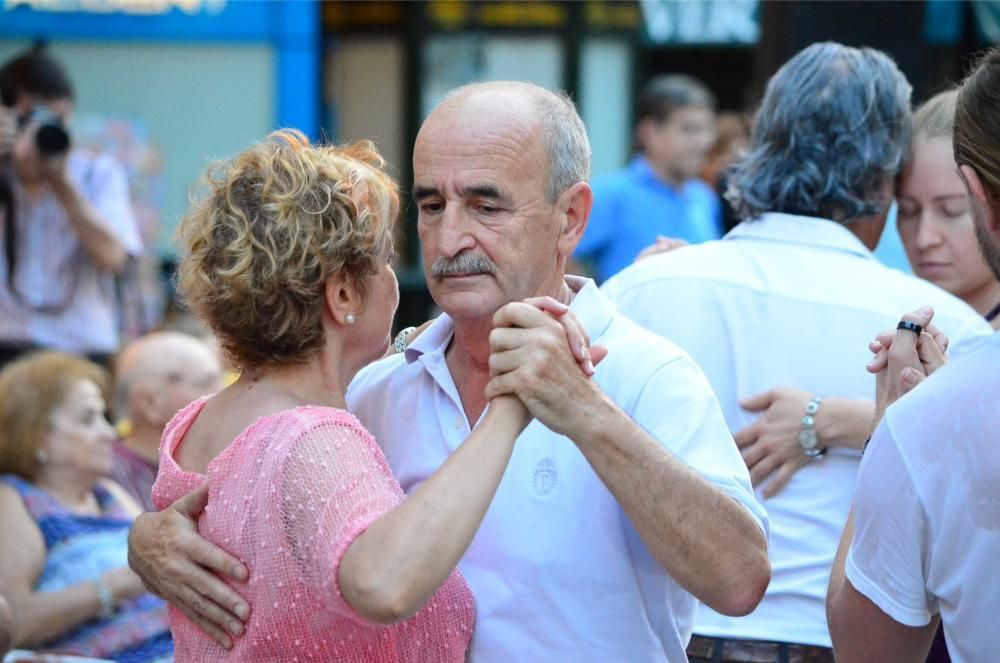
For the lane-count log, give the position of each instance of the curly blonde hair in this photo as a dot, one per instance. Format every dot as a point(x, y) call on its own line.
point(273, 224)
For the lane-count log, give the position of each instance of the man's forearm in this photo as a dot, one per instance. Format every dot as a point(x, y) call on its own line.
point(103, 247)
point(703, 538)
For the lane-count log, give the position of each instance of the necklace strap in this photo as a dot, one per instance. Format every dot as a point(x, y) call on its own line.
point(994, 312)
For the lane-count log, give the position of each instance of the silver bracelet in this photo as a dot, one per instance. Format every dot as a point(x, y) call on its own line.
point(106, 599)
point(399, 344)
point(808, 439)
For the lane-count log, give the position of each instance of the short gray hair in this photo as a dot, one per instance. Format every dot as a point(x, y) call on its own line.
point(834, 123)
point(563, 133)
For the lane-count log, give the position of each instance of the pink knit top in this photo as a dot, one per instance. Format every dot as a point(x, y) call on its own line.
point(287, 497)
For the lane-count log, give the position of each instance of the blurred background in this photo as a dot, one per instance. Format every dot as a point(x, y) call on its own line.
point(168, 85)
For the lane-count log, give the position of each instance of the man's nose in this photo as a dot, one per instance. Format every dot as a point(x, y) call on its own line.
point(455, 232)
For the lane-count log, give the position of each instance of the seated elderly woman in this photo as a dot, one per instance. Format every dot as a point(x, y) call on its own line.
point(63, 553)
point(287, 258)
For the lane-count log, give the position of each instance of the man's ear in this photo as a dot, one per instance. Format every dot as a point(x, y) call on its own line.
point(983, 198)
point(644, 130)
point(574, 205)
point(342, 298)
point(143, 403)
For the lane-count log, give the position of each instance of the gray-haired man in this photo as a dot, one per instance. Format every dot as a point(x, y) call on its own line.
point(792, 296)
point(624, 503)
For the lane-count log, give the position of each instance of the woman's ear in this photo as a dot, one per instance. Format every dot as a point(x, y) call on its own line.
point(342, 298)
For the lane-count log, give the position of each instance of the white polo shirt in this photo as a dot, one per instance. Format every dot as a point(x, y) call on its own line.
point(927, 506)
point(557, 570)
point(784, 300)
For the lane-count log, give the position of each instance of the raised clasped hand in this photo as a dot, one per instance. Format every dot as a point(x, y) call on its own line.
point(903, 359)
point(540, 352)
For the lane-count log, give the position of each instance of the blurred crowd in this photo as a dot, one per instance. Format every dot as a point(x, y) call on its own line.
point(683, 412)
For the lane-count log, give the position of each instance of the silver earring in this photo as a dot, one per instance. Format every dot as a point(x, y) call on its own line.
point(349, 318)
point(42, 456)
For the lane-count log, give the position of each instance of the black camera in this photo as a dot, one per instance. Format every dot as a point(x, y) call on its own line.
point(51, 137)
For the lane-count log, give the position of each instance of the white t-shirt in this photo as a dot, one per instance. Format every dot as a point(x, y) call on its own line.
point(927, 506)
point(785, 300)
point(557, 570)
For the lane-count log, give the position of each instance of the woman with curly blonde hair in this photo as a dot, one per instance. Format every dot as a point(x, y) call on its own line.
point(287, 258)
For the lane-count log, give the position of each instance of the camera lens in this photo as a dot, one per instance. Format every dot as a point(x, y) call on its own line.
point(51, 139)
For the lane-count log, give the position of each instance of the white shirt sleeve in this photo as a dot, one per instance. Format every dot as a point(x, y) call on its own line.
point(678, 407)
point(886, 561)
point(106, 188)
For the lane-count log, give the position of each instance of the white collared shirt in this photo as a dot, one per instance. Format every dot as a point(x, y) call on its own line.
point(557, 571)
point(784, 300)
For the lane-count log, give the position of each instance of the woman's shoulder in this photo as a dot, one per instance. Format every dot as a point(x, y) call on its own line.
point(20, 494)
point(306, 422)
point(317, 434)
point(19, 522)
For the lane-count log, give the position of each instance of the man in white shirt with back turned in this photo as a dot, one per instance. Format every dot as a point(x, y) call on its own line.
point(792, 296)
point(626, 500)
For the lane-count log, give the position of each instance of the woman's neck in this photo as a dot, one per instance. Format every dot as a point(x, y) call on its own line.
point(71, 491)
point(313, 383)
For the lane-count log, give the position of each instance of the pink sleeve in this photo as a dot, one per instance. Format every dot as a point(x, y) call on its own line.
point(335, 484)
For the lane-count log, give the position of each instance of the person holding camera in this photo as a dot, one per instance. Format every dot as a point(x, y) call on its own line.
point(66, 223)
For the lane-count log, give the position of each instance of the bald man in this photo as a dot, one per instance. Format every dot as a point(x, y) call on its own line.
point(623, 504)
point(155, 376)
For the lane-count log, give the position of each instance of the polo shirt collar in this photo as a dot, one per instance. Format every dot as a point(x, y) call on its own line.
point(804, 230)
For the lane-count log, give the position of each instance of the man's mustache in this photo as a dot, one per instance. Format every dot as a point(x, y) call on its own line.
point(464, 264)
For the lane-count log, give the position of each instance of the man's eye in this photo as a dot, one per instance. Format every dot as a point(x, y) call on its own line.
point(431, 208)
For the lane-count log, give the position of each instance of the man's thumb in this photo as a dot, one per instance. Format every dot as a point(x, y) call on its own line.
point(757, 402)
point(192, 504)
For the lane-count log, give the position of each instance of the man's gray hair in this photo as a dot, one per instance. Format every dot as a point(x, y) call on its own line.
point(835, 122)
point(566, 142)
point(564, 135)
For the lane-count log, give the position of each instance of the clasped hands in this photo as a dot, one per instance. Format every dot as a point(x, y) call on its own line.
point(903, 359)
point(540, 353)
point(770, 445)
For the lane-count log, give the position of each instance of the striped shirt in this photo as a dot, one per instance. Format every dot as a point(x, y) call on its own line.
point(66, 302)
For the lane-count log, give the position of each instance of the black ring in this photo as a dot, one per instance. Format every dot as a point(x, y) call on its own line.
point(910, 326)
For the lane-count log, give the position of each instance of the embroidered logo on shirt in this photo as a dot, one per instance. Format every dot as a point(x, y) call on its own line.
point(543, 482)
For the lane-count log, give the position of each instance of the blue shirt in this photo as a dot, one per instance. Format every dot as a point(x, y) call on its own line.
point(632, 206)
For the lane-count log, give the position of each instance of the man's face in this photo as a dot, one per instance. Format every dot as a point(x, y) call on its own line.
point(175, 374)
point(487, 232)
point(679, 145)
point(989, 245)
